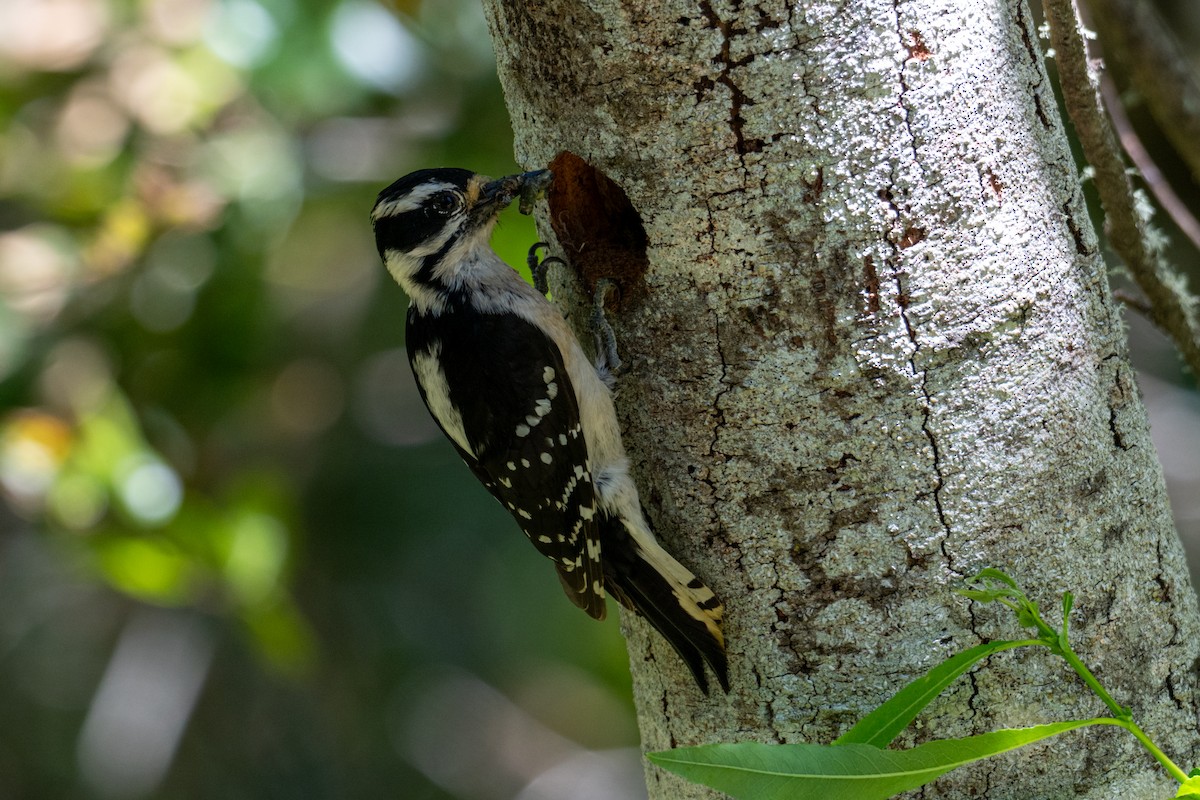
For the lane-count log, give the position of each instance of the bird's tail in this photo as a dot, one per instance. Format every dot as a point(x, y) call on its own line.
point(679, 606)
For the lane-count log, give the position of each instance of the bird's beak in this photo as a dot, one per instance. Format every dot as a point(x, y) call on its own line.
point(498, 194)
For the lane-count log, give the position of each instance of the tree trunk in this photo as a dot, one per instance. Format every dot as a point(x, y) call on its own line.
point(873, 350)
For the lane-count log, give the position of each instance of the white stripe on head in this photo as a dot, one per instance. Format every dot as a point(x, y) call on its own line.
point(413, 200)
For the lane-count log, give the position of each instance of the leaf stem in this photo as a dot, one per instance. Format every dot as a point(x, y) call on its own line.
point(1118, 711)
point(1123, 716)
point(1169, 765)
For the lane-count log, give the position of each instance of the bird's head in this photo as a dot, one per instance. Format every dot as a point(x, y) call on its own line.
point(435, 218)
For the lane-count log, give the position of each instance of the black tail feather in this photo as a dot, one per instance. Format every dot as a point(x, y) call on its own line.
point(637, 585)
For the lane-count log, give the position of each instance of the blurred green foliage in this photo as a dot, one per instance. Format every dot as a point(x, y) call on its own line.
point(236, 558)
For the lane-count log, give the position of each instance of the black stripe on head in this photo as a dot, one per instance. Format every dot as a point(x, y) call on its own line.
point(405, 232)
point(425, 274)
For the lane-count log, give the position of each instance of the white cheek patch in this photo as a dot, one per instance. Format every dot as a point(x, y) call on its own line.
point(402, 267)
point(437, 394)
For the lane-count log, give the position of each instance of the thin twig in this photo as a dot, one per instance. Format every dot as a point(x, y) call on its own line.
point(1173, 310)
point(1136, 302)
point(1135, 36)
point(1158, 185)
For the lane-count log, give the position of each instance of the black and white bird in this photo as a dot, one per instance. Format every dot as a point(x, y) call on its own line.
point(510, 386)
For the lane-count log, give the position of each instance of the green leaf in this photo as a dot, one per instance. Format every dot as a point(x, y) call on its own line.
point(841, 772)
point(991, 574)
point(1190, 787)
point(990, 585)
point(882, 725)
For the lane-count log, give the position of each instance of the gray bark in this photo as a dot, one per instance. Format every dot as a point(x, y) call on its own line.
point(875, 350)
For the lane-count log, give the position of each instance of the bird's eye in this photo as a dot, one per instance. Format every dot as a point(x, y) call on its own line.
point(444, 202)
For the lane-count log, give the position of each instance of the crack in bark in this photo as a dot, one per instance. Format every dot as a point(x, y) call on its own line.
point(718, 425)
point(711, 230)
point(737, 98)
point(926, 412)
point(719, 412)
point(1165, 589)
point(1116, 399)
point(772, 726)
point(1034, 53)
point(908, 126)
point(665, 710)
point(1076, 232)
point(910, 236)
point(974, 627)
point(1118, 439)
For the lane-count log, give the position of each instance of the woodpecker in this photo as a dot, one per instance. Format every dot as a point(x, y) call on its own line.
point(509, 384)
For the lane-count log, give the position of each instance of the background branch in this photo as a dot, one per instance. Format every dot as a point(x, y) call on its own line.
point(1156, 182)
point(1173, 310)
point(1136, 36)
